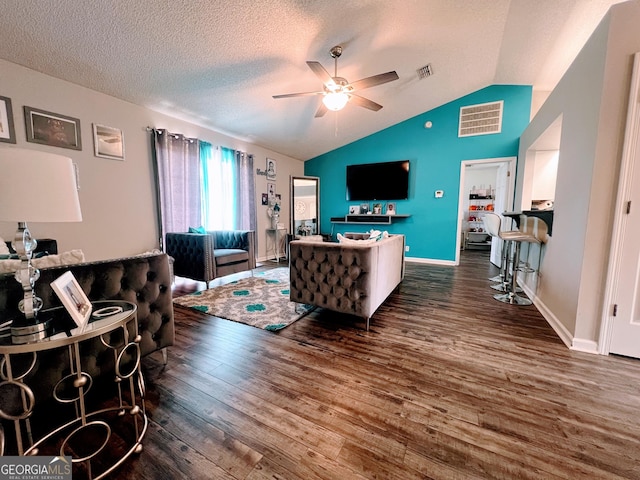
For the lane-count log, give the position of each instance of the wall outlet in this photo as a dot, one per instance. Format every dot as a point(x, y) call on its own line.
point(406, 248)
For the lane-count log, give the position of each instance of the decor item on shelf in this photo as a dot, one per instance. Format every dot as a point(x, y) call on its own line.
point(391, 208)
point(364, 208)
point(35, 187)
point(274, 212)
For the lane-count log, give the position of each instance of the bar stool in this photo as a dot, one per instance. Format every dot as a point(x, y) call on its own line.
point(515, 238)
point(538, 228)
point(493, 226)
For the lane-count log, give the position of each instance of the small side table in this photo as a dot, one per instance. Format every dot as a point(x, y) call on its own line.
point(130, 389)
point(278, 234)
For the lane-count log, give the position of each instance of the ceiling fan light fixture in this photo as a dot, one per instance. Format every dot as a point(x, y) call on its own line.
point(335, 101)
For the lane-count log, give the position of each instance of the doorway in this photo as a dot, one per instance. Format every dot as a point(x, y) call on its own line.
point(620, 330)
point(490, 183)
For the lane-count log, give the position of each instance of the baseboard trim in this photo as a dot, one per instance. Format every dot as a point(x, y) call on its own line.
point(430, 261)
point(586, 346)
point(548, 315)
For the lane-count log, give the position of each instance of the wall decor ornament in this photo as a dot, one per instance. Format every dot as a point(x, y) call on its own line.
point(7, 130)
point(271, 169)
point(52, 129)
point(108, 142)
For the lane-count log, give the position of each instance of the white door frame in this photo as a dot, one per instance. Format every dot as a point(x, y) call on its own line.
point(629, 152)
point(510, 194)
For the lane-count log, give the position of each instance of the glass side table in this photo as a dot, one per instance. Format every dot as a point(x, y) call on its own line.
point(129, 387)
point(278, 234)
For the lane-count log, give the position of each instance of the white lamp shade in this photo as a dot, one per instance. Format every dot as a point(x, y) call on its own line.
point(37, 187)
point(335, 101)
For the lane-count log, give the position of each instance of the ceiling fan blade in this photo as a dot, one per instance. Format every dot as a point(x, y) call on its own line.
point(374, 80)
point(322, 109)
point(364, 102)
point(321, 73)
point(303, 94)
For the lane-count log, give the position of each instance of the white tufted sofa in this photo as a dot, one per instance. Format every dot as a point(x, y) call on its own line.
point(349, 277)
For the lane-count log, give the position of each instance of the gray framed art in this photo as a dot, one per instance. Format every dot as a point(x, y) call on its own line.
point(7, 130)
point(52, 129)
point(108, 142)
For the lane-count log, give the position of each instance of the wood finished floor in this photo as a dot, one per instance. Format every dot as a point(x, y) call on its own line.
point(447, 384)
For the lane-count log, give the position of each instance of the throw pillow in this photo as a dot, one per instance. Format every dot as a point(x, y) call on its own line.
point(200, 230)
point(377, 235)
point(343, 239)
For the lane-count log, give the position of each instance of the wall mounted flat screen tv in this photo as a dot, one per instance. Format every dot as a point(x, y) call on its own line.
point(378, 181)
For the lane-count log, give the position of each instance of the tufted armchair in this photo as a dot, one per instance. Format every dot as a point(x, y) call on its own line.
point(206, 256)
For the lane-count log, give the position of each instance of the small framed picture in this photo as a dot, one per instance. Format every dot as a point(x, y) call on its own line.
point(265, 199)
point(7, 132)
point(391, 208)
point(108, 142)
point(354, 209)
point(52, 129)
point(364, 208)
point(271, 169)
point(377, 208)
point(271, 190)
point(73, 298)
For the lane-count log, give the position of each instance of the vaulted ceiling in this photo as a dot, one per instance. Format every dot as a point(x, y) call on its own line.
point(218, 63)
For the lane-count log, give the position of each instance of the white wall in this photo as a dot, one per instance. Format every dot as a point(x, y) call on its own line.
point(118, 198)
point(545, 173)
point(592, 97)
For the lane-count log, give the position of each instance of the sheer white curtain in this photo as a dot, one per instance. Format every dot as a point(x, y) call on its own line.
point(228, 189)
point(177, 162)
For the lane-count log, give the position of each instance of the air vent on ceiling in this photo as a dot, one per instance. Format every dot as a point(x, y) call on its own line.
point(482, 119)
point(424, 72)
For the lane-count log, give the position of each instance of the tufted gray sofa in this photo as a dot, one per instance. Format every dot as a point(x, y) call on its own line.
point(217, 253)
point(144, 280)
point(351, 278)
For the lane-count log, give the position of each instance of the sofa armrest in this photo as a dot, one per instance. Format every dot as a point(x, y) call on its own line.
point(192, 254)
point(236, 239)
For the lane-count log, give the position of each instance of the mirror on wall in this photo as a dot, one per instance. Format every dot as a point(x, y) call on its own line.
point(305, 206)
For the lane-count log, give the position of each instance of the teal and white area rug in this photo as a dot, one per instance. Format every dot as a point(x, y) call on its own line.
point(261, 301)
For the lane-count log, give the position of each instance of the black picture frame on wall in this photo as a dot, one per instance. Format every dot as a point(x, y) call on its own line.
point(7, 130)
point(53, 129)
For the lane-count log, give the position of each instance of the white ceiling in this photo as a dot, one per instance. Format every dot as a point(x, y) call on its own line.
point(218, 63)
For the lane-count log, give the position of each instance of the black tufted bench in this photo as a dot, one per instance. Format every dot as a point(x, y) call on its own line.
point(144, 280)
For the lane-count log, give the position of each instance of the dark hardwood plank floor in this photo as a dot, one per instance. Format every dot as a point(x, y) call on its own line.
point(447, 384)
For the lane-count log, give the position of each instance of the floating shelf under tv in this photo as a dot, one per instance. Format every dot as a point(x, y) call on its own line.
point(369, 219)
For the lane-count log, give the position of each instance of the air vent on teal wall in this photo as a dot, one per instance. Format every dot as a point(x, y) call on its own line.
point(483, 119)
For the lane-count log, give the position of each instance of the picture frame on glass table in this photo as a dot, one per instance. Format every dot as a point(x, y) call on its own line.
point(73, 299)
point(7, 130)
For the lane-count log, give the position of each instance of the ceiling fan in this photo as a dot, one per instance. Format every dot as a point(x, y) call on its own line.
point(337, 91)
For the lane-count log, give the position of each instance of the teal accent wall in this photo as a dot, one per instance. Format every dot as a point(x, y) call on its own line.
point(435, 156)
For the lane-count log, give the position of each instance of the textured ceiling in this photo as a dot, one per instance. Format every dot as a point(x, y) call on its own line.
point(218, 63)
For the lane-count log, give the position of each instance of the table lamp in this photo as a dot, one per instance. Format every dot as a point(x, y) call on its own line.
point(35, 186)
